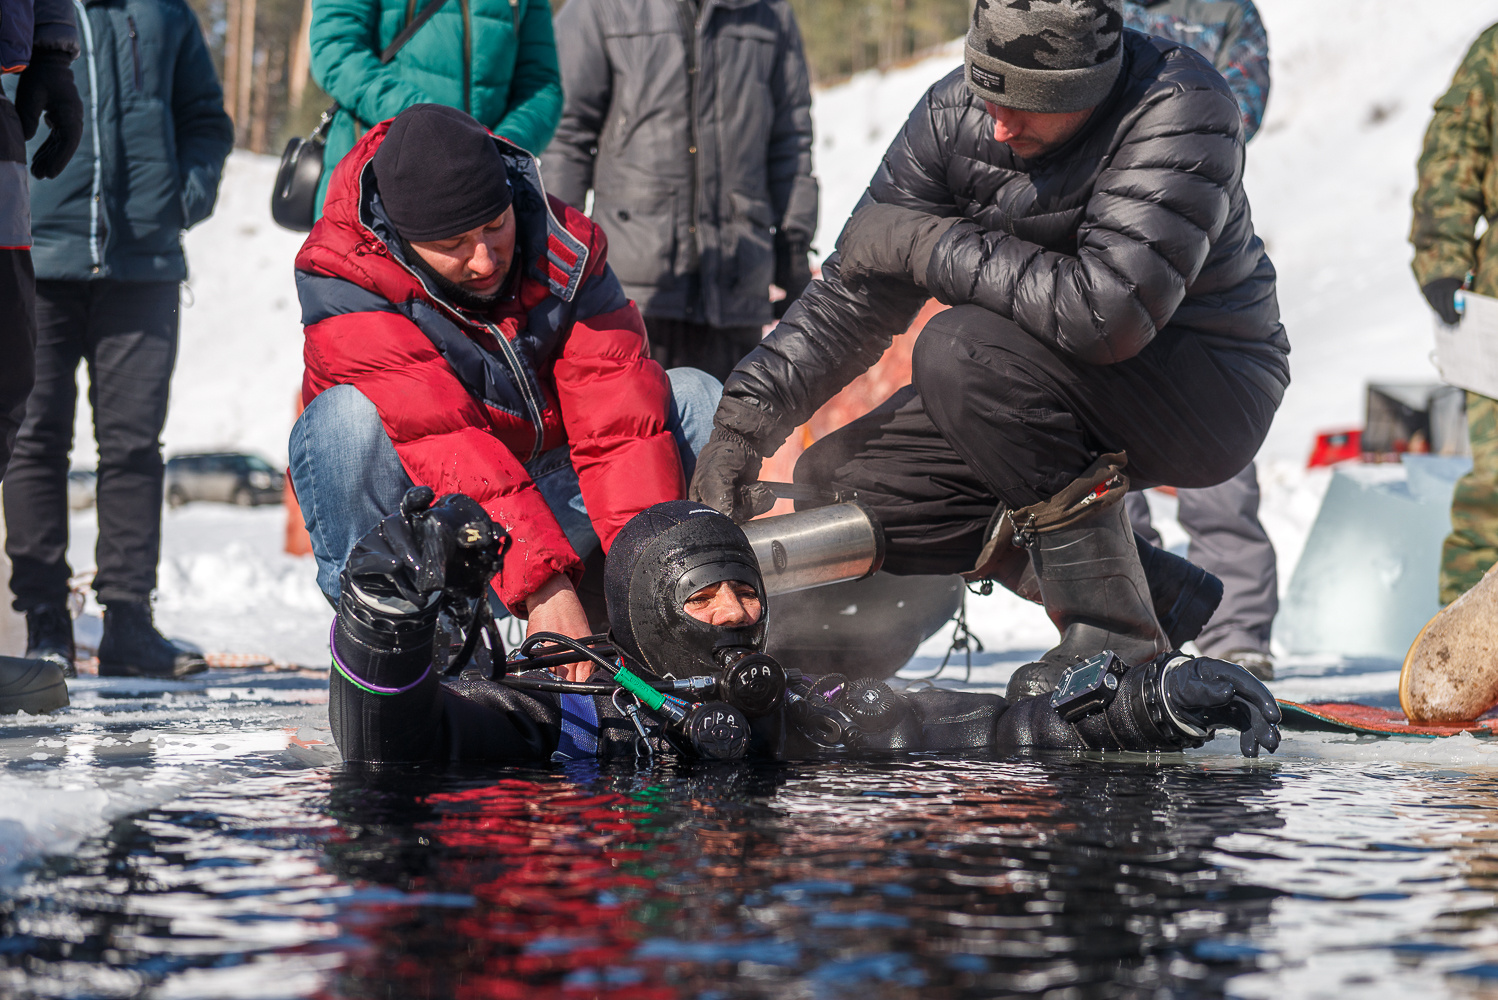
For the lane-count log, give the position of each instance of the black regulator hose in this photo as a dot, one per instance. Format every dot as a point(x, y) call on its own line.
point(714, 730)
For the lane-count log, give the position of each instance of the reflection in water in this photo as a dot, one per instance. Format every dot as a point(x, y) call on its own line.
point(918, 877)
point(830, 879)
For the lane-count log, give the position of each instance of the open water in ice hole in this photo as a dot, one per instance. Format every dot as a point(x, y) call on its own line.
point(1065, 878)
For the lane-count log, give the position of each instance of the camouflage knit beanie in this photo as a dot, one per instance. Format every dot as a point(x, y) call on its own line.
point(1044, 55)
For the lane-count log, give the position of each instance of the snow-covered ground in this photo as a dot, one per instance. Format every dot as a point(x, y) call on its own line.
point(1330, 179)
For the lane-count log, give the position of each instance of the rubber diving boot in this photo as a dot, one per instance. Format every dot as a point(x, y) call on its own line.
point(1185, 596)
point(49, 636)
point(32, 686)
point(1090, 577)
point(132, 647)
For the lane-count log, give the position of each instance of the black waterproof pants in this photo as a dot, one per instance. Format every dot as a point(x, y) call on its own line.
point(995, 416)
point(126, 332)
point(17, 288)
point(17, 344)
point(676, 343)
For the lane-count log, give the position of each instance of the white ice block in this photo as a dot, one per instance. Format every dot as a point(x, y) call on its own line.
point(1366, 581)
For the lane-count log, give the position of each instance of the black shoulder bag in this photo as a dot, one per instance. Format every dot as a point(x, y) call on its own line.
point(295, 193)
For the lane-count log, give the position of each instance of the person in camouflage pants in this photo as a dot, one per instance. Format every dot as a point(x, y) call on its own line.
point(1457, 187)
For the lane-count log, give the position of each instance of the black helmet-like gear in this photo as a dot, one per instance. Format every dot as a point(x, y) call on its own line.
point(663, 556)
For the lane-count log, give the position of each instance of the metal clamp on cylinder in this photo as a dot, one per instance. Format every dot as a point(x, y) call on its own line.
point(817, 547)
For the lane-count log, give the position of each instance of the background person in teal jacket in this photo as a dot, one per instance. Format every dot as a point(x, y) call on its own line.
point(495, 59)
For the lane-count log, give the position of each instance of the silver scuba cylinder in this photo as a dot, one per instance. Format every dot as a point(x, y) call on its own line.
point(812, 548)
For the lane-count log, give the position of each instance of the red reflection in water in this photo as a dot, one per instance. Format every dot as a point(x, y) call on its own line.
point(553, 871)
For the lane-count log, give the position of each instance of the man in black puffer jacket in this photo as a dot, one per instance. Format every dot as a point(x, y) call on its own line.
point(1075, 194)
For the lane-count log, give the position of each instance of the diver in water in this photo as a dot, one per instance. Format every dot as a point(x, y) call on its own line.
point(684, 671)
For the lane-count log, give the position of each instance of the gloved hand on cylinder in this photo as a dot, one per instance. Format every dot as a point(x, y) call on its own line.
point(449, 547)
point(46, 87)
point(1441, 294)
point(727, 470)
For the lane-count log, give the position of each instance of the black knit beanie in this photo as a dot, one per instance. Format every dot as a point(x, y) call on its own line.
point(440, 174)
point(1044, 55)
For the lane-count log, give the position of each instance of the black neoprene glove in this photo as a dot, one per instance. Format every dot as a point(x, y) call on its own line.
point(889, 241)
point(792, 268)
point(46, 87)
point(1441, 294)
point(1203, 694)
point(726, 476)
point(450, 547)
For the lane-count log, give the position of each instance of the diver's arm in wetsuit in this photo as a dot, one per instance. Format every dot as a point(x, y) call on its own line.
point(1161, 706)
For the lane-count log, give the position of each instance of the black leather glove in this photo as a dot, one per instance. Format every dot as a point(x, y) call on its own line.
point(450, 547)
point(726, 474)
point(1204, 693)
point(46, 87)
point(889, 241)
point(792, 269)
point(1441, 294)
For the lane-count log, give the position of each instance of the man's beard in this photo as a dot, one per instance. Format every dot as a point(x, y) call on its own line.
point(451, 290)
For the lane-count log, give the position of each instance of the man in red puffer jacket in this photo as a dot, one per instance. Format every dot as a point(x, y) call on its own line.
point(464, 332)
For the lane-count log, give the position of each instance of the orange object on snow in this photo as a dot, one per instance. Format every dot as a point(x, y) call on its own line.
point(298, 542)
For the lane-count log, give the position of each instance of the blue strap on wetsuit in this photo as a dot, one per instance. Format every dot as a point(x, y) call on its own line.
point(579, 728)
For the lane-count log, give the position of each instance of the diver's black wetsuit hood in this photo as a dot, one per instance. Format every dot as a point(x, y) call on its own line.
point(663, 556)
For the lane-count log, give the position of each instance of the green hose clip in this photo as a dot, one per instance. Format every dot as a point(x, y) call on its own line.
point(651, 698)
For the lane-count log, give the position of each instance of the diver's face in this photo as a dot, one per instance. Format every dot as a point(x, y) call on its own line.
point(730, 604)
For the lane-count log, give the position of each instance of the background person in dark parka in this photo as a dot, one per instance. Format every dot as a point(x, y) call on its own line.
point(108, 255)
point(1076, 195)
point(691, 122)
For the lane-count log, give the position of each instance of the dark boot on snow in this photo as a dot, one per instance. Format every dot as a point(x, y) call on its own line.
point(1185, 596)
point(1090, 578)
point(49, 636)
point(132, 647)
point(32, 686)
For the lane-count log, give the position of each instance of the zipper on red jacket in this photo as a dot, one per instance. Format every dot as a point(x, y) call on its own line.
point(531, 403)
point(512, 359)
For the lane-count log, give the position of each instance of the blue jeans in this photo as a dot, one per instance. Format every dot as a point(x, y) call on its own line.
point(348, 477)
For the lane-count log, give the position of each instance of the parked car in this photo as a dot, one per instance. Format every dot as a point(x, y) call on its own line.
point(229, 476)
point(83, 489)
